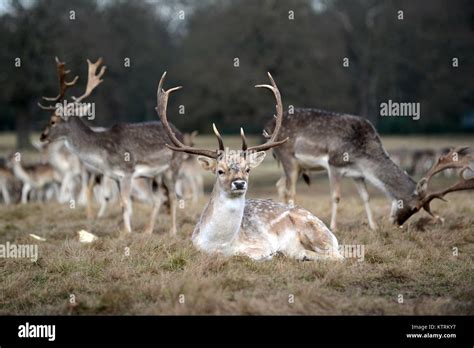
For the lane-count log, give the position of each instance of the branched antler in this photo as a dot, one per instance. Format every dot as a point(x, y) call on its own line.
point(272, 140)
point(459, 157)
point(63, 85)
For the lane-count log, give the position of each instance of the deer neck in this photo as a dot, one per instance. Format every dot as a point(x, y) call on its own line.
point(20, 172)
point(389, 177)
point(220, 222)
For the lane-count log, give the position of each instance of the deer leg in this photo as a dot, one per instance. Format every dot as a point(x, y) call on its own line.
point(83, 193)
point(90, 196)
point(24, 193)
point(156, 202)
point(364, 195)
point(334, 183)
point(169, 182)
point(6, 194)
point(64, 187)
point(125, 186)
point(290, 168)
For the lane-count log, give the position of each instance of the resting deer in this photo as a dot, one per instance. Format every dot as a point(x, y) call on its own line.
point(231, 224)
point(123, 152)
point(345, 145)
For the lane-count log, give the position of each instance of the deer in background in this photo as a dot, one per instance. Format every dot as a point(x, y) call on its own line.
point(349, 146)
point(7, 182)
point(66, 164)
point(39, 177)
point(122, 152)
point(230, 224)
point(190, 184)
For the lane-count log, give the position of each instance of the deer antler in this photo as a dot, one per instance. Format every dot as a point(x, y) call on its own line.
point(93, 79)
point(456, 158)
point(63, 85)
point(161, 108)
point(271, 142)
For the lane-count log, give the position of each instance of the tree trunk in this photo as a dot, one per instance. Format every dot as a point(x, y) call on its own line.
point(22, 128)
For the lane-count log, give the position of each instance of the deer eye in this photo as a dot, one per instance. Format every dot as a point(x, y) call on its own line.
point(247, 170)
point(220, 172)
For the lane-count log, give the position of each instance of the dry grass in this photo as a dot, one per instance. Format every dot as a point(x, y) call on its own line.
point(416, 263)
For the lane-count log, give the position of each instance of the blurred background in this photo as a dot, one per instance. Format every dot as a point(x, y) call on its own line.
point(219, 49)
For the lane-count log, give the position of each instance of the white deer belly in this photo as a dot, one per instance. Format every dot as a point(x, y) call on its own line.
point(309, 161)
point(149, 171)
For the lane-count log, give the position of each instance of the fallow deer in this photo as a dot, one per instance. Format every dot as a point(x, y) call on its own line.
point(123, 152)
point(190, 184)
point(66, 164)
point(37, 176)
point(230, 224)
point(7, 179)
point(345, 145)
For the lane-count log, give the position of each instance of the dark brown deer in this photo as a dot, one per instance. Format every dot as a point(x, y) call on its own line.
point(347, 146)
point(123, 152)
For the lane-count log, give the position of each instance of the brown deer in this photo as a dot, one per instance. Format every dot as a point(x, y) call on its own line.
point(66, 164)
point(123, 152)
point(35, 176)
point(190, 184)
point(230, 224)
point(347, 146)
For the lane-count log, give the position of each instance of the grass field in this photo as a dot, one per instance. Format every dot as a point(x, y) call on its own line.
point(415, 270)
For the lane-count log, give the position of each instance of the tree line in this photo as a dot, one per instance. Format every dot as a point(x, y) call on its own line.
point(345, 56)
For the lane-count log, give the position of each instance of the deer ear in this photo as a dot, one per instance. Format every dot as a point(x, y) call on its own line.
point(207, 163)
point(421, 187)
point(256, 159)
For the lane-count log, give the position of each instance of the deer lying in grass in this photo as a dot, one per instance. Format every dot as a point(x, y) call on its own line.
point(123, 152)
point(40, 177)
point(231, 224)
point(347, 145)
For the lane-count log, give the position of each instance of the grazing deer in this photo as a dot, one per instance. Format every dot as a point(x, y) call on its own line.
point(230, 224)
point(38, 177)
point(123, 152)
point(345, 146)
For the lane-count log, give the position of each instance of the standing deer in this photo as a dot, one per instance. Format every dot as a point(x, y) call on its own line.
point(36, 176)
point(190, 184)
point(230, 224)
point(66, 164)
point(123, 152)
point(347, 145)
point(7, 181)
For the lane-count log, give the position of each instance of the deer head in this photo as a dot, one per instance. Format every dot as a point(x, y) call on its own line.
point(457, 158)
point(58, 123)
point(231, 168)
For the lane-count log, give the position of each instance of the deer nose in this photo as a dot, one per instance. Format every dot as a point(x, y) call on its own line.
point(239, 185)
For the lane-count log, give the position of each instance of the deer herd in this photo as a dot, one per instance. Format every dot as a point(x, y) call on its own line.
point(153, 162)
